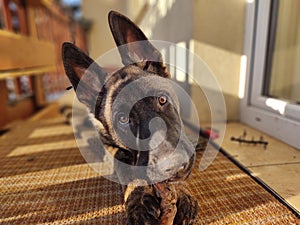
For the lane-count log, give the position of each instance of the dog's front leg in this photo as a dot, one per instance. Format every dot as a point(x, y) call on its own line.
point(142, 204)
point(187, 209)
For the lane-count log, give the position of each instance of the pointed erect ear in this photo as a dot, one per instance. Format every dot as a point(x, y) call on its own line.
point(134, 46)
point(85, 75)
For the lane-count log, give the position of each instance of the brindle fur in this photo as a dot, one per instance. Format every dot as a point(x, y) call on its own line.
point(98, 90)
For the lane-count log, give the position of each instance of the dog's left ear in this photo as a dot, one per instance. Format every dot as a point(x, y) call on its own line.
point(134, 46)
point(86, 76)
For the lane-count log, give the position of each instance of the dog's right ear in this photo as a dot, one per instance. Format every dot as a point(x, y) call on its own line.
point(85, 75)
point(133, 45)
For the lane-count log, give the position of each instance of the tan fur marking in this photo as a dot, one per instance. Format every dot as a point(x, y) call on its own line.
point(133, 185)
point(108, 110)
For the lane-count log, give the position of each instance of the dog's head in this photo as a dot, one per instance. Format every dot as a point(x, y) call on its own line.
point(136, 108)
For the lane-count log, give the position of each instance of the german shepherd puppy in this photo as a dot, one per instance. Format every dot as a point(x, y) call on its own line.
point(142, 124)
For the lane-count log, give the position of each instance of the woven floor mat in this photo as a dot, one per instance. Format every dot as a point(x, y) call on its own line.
point(45, 180)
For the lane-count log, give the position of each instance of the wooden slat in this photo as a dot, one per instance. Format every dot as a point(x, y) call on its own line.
point(7, 16)
point(51, 7)
point(31, 22)
point(35, 3)
point(25, 72)
point(21, 110)
point(39, 91)
point(22, 20)
point(50, 111)
point(20, 52)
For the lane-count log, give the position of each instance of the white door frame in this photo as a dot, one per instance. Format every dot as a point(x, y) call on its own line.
point(277, 118)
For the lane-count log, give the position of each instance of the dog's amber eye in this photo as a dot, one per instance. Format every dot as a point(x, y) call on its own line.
point(122, 118)
point(162, 100)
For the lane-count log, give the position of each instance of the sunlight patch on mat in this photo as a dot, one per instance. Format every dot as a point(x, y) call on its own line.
point(18, 217)
point(52, 146)
point(83, 218)
point(51, 131)
point(258, 214)
point(236, 176)
point(35, 180)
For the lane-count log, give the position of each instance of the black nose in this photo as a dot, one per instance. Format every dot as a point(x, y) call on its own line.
point(178, 171)
point(182, 171)
point(183, 167)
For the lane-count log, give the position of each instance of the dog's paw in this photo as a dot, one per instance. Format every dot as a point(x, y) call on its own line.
point(187, 209)
point(142, 207)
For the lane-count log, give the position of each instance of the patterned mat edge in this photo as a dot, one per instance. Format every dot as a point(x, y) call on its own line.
point(243, 168)
point(255, 178)
point(259, 181)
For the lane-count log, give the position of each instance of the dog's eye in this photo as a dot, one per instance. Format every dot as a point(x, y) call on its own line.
point(162, 100)
point(122, 118)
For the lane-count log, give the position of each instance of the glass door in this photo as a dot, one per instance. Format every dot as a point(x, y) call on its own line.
point(272, 101)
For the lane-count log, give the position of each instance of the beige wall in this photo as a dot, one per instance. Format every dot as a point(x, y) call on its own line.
point(169, 20)
point(100, 39)
point(225, 66)
point(217, 30)
point(220, 23)
point(219, 35)
point(217, 26)
point(134, 8)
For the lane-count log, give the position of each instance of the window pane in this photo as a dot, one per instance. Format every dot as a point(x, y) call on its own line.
point(283, 67)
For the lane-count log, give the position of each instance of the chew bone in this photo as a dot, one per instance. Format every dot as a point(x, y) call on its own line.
point(168, 196)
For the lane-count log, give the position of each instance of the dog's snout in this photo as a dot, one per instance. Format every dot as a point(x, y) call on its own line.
point(183, 170)
point(169, 162)
point(177, 170)
point(182, 167)
point(174, 167)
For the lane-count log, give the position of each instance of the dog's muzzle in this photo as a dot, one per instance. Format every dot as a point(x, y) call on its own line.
point(167, 162)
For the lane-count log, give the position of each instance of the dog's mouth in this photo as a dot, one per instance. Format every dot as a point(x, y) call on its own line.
point(167, 190)
point(171, 169)
point(183, 171)
point(166, 163)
